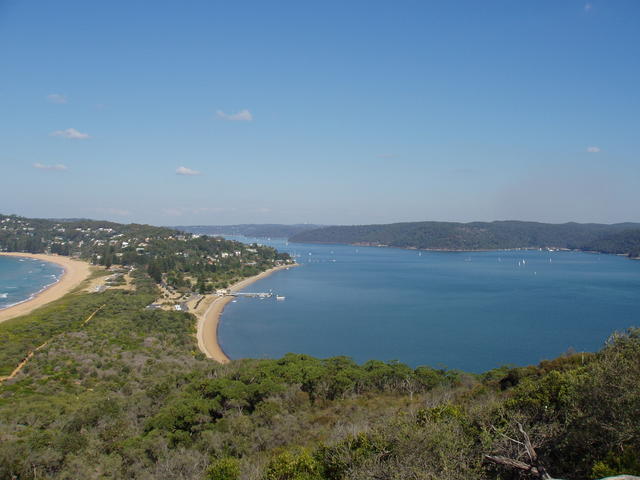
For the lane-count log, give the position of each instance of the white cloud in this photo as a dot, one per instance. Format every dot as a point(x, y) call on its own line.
point(593, 149)
point(71, 133)
point(114, 211)
point(173, 212)
point(57, 98)
point(588, 7)
point(179, 211)
point(59, 167)
point(241, 116)
point(186, 171)
point(213, 209)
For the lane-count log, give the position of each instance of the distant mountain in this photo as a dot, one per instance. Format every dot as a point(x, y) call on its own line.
point(250, 230)
point(617, 238)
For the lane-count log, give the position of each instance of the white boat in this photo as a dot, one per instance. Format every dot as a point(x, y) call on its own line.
point(280, 297)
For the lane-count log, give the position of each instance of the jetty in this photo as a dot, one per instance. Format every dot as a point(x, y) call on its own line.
point(252, 294)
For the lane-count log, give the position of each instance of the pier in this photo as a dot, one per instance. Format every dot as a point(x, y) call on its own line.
point(252, 294)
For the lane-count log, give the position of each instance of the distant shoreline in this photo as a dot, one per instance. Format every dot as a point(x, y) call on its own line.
point(211, 311)
point(464, 250)
point(75, 272)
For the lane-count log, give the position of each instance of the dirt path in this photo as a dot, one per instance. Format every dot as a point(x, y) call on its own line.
point(30, 355)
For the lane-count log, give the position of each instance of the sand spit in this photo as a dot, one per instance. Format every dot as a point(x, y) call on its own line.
point(210, 310)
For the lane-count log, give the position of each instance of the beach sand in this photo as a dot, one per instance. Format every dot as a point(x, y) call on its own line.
point(210, 310)
point(75, 271)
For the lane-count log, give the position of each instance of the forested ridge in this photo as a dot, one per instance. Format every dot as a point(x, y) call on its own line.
point(182, 260)
point(127, 395)
point(623, 238)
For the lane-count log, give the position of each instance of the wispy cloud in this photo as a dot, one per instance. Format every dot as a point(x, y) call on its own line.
point(57, 98)
point(588, 7)
point(241, 116)
point(114, 211)
point(187, 171)
point(179, 211)
point(593, 149)
point(173, 212)
point(71, 133)
point(58, 167)
point(387, 155)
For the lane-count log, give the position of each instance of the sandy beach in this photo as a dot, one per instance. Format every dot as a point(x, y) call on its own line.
point(75, 271)
point(210, 310)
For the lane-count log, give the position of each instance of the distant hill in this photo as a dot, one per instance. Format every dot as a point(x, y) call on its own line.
point(251, 230)
point(626, 242)
point(617, 238)
point(178, 259)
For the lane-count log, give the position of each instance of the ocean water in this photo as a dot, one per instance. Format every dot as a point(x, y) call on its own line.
point(21, 278)
point(471, 311)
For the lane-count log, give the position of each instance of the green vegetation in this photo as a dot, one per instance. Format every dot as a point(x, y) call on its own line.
point(626, 242)
point(116, 390)
point(182, 260)
point(618, 238)
point(127, 395)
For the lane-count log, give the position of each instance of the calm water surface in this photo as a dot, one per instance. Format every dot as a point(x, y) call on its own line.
point(21, 278)
point(472, 311)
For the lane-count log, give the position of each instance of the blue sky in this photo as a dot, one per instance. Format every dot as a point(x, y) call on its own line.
point(346, 112)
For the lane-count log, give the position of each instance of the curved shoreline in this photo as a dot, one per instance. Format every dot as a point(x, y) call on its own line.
point(75, 272)
point(211, 311)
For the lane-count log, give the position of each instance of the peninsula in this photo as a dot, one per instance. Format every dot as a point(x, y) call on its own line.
point(120, 371)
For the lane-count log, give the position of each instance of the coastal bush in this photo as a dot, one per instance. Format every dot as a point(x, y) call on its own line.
point(227, 468)
point(126, 396)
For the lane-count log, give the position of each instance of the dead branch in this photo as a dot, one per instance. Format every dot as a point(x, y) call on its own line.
point(510, 462)
point(535, 467)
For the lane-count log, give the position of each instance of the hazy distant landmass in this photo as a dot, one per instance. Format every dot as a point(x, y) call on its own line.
point(251, 230)
point(621, 238)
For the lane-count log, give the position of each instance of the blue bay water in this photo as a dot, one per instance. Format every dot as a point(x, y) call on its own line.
point(472, 311)
point(21, 278)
